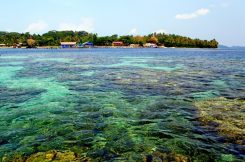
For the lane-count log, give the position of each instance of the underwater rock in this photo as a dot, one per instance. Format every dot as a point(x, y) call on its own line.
point(165, 157)
point(225, 115)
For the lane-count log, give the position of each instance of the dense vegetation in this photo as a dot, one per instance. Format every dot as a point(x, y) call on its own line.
point(53, 38)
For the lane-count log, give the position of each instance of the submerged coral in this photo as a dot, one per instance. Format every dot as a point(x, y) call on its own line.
point(53, 155)
point(116, 105)
point(159, 156)
point(226, 115)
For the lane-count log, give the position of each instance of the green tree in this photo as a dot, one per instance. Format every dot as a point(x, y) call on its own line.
point(153, 39)
point(31, 43)
point(53, 38)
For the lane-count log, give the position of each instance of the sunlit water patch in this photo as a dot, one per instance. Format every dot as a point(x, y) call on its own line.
point(122, 105)
point(62, 60)
point(13, 57)
point(7, 72)
point(88, 73)
point(143, 62)
point(10, 63)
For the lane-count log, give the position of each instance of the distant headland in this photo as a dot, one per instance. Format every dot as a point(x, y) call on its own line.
point(82, 39)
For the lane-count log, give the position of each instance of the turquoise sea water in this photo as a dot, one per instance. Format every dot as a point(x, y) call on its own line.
point(117, 104)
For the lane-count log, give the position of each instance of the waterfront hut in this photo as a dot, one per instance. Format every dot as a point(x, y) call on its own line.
point(150, 45)
point(117, 43)
point(88, 45)
point(68, 44)
point(17, 45)
point(2, 45)
point(134, 45)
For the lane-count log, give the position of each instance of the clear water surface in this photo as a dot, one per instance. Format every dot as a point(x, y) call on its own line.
point(117, 104)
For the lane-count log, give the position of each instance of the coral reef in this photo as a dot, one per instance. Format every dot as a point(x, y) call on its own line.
point(227, 116)
point(165, 157)
point(53, 155)
point(121, 105)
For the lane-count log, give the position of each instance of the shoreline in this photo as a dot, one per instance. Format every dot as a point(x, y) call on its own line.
point(108, 47)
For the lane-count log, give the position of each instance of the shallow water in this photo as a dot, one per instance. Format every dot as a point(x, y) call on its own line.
point(117, 104)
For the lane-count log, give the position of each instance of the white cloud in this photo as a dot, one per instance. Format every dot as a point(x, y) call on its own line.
point(133, 31)
point(161, 31)
point(37, 27)
point(200, 12)
point(86, 24)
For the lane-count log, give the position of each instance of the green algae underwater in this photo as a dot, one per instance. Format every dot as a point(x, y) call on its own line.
point(122, 105)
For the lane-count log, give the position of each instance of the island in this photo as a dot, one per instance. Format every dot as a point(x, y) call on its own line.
point(81, 39)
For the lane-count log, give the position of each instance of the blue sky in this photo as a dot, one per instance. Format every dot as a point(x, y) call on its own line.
point(204, 19)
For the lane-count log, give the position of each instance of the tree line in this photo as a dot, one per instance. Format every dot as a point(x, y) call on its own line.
point(53, 38)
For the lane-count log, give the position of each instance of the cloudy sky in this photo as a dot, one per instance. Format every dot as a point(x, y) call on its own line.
point(205, 19)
